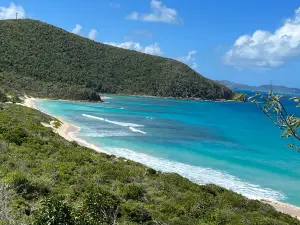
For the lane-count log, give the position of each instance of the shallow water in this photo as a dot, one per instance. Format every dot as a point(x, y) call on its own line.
point(230, 144)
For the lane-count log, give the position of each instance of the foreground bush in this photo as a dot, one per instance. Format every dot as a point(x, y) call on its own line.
point(53, 212)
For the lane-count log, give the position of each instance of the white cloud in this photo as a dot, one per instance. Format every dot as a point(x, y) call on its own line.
point(92, 34)
point(77, 29)
point(189, 59)
point(11, 11)
point(264, 49)
point(114, 5)
point(153, 49)
point(159, 13)
point(133, 16)
point(127, 45)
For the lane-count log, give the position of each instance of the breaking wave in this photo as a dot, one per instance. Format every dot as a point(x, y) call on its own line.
point(107, 133)
point(200, 175)
point(136, 130)
point(113, 122)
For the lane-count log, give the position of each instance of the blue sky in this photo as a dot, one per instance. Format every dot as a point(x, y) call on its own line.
point(252, 42)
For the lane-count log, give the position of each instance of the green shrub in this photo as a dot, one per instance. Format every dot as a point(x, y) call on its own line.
point(136, 213)
point(53, 212)
point(26, 188)
point(3, 147)
point(15, 135)
point(133, 191)
point(101, 206)
point(57, 123)
point(3, 97)
point(151, 171)
point(239, 97)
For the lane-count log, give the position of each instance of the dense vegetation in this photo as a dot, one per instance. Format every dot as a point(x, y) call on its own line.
point(8, 94)
point(45, 61)
point(45, 179)
point(18, 86)
point(240, 97)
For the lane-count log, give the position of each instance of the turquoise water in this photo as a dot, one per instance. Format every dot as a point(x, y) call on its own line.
point(230, 144)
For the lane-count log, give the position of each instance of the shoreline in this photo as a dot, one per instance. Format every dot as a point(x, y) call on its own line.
point(286, 208)
point(64, 130)
point(68, 131)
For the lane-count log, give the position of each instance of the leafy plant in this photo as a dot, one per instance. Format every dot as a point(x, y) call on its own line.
point(102, 206)
point(136, 212)
point(273, 108)
point(3, 97)
point(239, 97)
point(133, 191)
point(53, 212)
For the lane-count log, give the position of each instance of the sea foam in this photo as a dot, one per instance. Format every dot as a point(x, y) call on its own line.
point(123, 124)
point(136, 130)
point(107, 133)
point(200, 175)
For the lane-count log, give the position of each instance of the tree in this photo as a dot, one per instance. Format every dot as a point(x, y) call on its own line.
point(273, 108)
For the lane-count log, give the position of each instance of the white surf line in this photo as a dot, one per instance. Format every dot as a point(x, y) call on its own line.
point(196, 174)
point(123, 124)
point(201, 175)
point(136, 130)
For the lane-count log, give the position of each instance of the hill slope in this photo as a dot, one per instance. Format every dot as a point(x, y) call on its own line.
point(46, 61)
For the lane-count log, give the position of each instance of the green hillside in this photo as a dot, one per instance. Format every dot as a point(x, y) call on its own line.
point(45, 61)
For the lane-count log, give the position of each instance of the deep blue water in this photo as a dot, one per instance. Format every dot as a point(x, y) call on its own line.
point(230, 144)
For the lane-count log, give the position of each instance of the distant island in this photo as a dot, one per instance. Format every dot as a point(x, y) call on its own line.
point(275, 88)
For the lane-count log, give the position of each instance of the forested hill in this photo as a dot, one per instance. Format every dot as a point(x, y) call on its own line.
point(45, 61)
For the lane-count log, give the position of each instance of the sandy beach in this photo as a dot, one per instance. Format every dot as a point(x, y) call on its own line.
point(285, 208)
point(67, 131)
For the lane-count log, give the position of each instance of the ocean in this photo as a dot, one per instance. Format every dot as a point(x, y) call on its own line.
point(231, 144)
